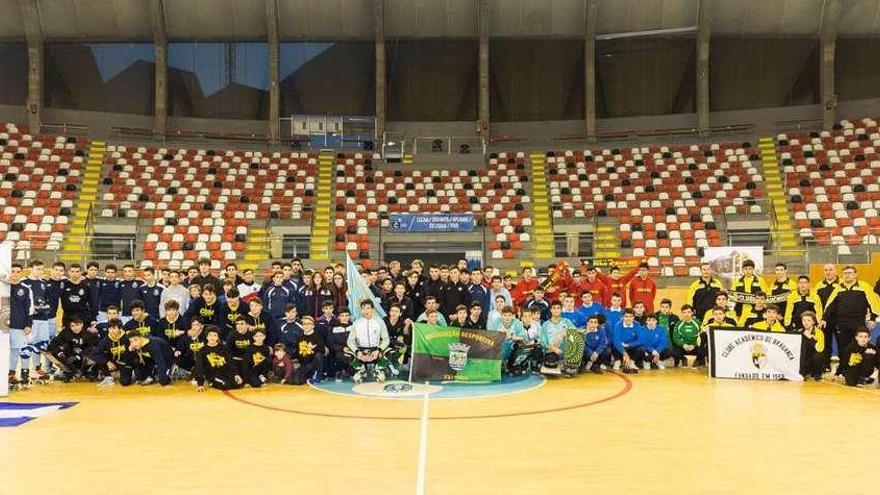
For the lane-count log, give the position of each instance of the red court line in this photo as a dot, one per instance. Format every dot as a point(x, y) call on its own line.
point(627, 386)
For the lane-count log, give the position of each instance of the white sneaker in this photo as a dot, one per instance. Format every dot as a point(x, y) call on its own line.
point(616, 365)
point(358, 377)
point(380, 376)
point(148, 381)
point(646, 366)
point(603, 367)
point(660, 365)
point(107, 382)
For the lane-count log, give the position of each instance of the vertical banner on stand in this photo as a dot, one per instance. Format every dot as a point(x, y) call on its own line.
point(5, 267)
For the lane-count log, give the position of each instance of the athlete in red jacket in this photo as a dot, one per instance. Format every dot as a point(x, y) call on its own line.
point(595, 286)
point(523, 290)
point(643, 289)
point(617, 283)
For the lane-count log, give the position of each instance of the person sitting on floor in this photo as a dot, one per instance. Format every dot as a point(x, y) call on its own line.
point(367, 343)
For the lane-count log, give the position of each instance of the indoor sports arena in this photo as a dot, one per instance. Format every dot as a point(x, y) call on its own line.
point(439, 247)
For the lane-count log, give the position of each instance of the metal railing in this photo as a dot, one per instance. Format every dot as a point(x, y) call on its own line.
point(65, 128)
point(118, 211)
point(798, 125)
point(393, 145)
point(450, 145)
point(334, 131)
point(653, 134)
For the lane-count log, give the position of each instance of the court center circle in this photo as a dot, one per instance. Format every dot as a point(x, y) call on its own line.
point(625, 389)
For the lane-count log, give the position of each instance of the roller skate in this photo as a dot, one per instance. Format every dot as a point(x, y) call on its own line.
point(25, 383)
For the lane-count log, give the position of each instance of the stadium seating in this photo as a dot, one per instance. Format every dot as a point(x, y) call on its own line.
point(833, 182)
point(40, 177)
point(667, 199)
point(365, 197)
point(200, 202)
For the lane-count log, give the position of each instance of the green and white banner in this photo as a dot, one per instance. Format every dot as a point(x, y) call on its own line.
point(454, 354)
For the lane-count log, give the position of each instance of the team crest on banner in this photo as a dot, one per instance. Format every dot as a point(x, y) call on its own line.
point(454, 354)
point(458, 356)
point(759, 356)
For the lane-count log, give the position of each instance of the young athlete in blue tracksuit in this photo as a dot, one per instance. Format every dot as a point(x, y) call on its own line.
point(108, 292)
point(129, 292)
point(21, 308)
point(277, 296)
point(613, 315)
point(570, 313)
point(53, 295)
point(41, 335)
point(150, 293)
point(596, 349)
point(589, 308)
point(625, 338)
point(654, 344)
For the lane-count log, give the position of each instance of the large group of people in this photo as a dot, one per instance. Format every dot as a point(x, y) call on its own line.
point(291, 325)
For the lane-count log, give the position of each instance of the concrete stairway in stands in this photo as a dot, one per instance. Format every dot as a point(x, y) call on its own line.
point(542, 222)
point(73, 246)
point(605, 239)
point(784, 231)
point(319, 248)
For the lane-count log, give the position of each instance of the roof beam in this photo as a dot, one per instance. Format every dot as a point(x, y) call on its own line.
point(828, 30)
point(33, 30)
point(274, 64)
point(160, 41)
point(379, 69)
point(483, 64)
point(591, 13)
point(704, 28)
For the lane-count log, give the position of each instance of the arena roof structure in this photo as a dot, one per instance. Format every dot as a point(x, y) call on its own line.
point(435, 61)
point(353, 19)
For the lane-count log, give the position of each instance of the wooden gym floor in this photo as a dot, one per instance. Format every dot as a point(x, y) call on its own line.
point(672, 431)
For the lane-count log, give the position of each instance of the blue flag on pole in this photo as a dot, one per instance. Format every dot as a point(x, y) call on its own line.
point(358, 290)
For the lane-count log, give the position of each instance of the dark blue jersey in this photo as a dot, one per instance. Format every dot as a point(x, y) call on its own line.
point(107, 293)
point(21, 307)
point(151, 296)
point(53, 295)
point(129, 290)
point(40, 293)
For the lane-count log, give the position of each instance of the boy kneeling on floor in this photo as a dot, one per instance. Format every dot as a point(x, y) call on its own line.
point(72, 351)
point(310, 352)
point(109, 354)
point(214, 364)
point(368, 342)
point(596, 350)
point(654, 344)
point(148, 360)
point(862, 360)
